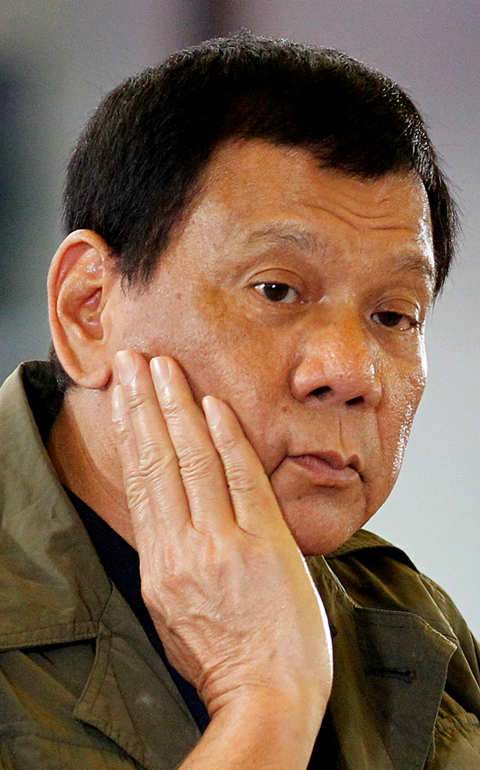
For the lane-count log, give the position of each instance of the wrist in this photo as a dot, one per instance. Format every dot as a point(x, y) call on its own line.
point(260, 728)
point(280, 704)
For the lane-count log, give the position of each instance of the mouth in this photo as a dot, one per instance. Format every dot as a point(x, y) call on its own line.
point(329, 469)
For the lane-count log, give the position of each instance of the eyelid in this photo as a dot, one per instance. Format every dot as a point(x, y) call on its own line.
point(410, 319)
point(283, 300)
point(409, 306)
point(276, 274)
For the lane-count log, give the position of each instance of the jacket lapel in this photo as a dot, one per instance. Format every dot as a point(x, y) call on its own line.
point(390, 672)
point(405, 663)
point(130, 696)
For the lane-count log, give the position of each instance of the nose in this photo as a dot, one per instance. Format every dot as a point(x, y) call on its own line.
point(338, 363)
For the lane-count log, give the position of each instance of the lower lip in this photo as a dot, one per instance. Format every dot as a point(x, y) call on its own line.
point(324, 474)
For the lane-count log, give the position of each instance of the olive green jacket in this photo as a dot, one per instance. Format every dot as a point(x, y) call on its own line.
point(81, 687)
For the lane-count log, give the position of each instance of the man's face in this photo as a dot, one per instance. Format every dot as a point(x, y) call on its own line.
point(298, 296)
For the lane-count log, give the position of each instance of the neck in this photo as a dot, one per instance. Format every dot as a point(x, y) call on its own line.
point(82, 450)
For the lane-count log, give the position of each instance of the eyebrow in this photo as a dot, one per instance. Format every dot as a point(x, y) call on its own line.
point(284, 233)
point(417, 263)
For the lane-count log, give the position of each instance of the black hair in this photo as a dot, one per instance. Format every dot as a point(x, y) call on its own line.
point(139, 160)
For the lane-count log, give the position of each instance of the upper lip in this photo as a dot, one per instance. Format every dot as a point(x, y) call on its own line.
point(335, 459)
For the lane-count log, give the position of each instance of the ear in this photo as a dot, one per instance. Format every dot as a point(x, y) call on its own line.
point(79, 283)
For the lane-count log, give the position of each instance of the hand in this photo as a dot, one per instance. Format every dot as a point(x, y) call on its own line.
point(222, 576)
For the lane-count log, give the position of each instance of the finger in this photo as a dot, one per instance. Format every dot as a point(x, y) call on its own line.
point(201, 469)
point(127, 452)
point(255, 505)
point(152, 474)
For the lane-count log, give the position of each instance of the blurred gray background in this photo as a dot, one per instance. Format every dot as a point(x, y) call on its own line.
point(57, 59)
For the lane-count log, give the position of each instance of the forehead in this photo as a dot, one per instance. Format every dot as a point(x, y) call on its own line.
point(254, 192)
point(265, 170)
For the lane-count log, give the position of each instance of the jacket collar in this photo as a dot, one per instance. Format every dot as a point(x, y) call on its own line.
point(46, 551)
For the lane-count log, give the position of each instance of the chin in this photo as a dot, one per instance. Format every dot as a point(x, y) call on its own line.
point(319, 527)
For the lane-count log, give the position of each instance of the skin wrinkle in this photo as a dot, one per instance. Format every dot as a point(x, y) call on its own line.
point(267, 359)
point(307, 243)
point(304, 240)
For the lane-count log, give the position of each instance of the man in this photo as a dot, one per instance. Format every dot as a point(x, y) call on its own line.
point(256, 232)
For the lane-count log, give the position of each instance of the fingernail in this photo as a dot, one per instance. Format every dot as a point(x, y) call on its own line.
point(161, 371)
point(127, 367)
point(213, 412)
point(119, 406)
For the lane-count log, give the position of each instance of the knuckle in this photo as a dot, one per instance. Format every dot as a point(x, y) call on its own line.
point(153, 598)
point(239, 480)
point(154, 463)
point(171, 410)
point(122, 433)
point(195, 465)
point(229, 444)
point(137, 401)
point(136, 493)
point(172, 575)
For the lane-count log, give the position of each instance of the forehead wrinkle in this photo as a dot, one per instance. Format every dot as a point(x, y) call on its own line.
point(284, 233)
point(356, 219)
point(360, 220)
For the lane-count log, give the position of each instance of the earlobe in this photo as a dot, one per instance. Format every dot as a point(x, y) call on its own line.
point(79, 282)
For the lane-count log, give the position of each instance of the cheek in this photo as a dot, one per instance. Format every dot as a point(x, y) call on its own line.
point(400, 406)
point(254, 389)
point(229, 361)
point(219, 351)
point(253, 381)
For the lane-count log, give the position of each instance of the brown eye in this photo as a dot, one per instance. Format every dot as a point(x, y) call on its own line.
point(277, 292)
point(395, 320)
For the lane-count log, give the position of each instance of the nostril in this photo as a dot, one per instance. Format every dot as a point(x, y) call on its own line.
point(321, 392)
point(355, 401)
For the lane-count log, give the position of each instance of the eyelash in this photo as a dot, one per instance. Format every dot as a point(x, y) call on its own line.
point(282, 291)
point(273, 287)
point(413, 323)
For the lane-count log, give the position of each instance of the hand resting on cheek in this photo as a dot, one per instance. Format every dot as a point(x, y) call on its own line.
point(222, 577)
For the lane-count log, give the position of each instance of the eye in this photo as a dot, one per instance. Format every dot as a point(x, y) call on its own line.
point(395, 320)
point(277, 292)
